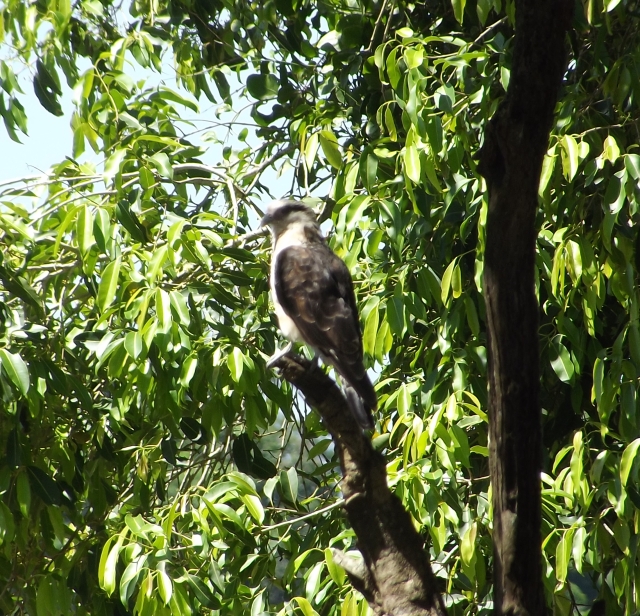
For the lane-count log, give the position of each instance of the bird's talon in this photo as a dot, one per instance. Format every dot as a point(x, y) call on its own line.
point(278, 355)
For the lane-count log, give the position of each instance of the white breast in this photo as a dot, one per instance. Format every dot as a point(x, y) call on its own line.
point(293, 236)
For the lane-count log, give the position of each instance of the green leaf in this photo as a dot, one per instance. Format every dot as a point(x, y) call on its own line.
point(414, 57)
point(44, 486)
point(445, 285)
point(412, 163)
point(202, 592)
point(165, 587)
point(188, 370)
point(610, 150)
point(468, 544)
point(573, 260)
point(23, 494)
point(305, 607)
point(472, 316)
point(191, 427)
point(403, 400)
point(108, 562)
point(576, 465)
point(163, 310)
point(390, 124)
point(109, 284)
point(370, 171)
point(458, 9)
point(113, 163)
point(133, 344)
point(49, 597)
point(147, 179)
point(570, 159)
point(130, 222)
point(404, 32)
point(561, 360)
point(632, 165)
point(579, 547)
point(598, 380)
point(392, 67)
point(456, 281)
point(235, 361)
point(162, 163)
point(102, 229)
point(180, 307)
point(14, 367)
point(563, 554)
point(628, 459)
point(395, 316)
point(330, 148)
point(85, 229)
point(311, 150)
point(371, 331)
point(289, 483)
point(336, 572)
point(482, 9)
point(254, 507)
point(262, 87)
point(313, 579)
point(47, 89)
point(130, 577)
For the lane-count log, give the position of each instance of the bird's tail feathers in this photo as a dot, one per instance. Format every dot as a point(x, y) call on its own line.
point(361, 412)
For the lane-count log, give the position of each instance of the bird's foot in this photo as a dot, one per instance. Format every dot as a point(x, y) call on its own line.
point(278, 355)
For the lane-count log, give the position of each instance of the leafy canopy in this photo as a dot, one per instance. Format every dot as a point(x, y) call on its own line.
point(152, 464)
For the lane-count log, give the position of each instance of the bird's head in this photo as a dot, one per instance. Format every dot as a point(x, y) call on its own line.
point(282, 214)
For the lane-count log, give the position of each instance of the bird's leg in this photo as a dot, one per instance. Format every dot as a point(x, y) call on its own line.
point(279, 355)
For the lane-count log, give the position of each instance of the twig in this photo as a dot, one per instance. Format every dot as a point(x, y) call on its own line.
point(302, 518)
point(376, 27)
point(234, 204)
point(490, 29)
point(246, 237)
point(267, 163)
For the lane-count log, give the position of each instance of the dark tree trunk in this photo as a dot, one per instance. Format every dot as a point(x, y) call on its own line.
point(511, 161)
point(395, 574)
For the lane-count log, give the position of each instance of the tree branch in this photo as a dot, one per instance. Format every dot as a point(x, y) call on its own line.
point(395, 575)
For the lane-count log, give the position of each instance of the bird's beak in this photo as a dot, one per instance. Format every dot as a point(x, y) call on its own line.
point(266, 220)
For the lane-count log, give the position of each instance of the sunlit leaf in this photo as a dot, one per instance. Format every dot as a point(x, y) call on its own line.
point(16, 369)
point(412, 163)
point(109, 284)
point(330, 148)
point(628, 460)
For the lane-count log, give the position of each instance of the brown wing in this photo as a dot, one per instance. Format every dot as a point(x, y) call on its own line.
point(315, 289)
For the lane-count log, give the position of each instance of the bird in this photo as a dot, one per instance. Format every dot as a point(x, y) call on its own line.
point(315, 303)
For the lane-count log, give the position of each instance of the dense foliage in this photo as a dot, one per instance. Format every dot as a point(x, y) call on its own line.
point(152, 464)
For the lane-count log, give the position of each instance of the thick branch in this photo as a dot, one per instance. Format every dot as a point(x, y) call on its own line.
point(511, 161)
point(396, 576)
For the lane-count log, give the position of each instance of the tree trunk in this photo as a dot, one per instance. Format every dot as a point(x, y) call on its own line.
point(511, 161)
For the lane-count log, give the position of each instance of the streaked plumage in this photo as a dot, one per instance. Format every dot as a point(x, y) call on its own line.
point(315, 302)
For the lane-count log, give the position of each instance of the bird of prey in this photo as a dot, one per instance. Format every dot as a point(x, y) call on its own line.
point(314, 301)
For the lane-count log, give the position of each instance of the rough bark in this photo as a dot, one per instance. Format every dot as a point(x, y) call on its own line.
point(395, 575)
point(511, 161)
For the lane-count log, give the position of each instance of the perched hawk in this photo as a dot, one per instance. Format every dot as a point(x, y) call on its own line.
point(314, 300)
